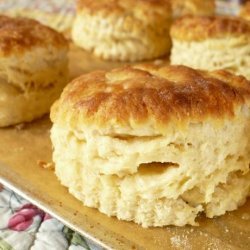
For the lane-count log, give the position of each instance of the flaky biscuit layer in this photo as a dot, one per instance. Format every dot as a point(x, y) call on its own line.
point(123, 30)
point(231, 54)
point(157, 181)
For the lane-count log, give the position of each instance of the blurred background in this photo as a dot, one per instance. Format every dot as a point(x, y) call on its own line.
point(59, 14)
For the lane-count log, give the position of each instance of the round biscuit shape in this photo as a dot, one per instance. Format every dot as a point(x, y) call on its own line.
point(33, 69)
point(212, 43)
point(123, 30)
point(154, 144)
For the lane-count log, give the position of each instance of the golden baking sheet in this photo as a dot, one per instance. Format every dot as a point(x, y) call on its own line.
point(23, 149)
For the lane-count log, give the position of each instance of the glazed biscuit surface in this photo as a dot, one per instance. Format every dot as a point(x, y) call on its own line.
point(145, 99)
point(21, 34)
point(191, 28)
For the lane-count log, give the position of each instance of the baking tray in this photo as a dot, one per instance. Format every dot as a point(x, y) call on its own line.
point(23, 149)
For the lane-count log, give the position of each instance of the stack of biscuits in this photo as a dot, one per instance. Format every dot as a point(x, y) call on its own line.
point(152, 143)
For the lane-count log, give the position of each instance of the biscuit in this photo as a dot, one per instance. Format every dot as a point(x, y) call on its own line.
point(60, 19)
point(33, 69)
point(193, 7)
point(245, 11)
point(123, 30)
point(212, 43)
point(155, 145)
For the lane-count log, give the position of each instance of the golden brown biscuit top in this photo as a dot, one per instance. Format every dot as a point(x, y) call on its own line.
point(141, 9)
point(190, 28)
point(245, 11)
point(19, 34)
point(150, 96)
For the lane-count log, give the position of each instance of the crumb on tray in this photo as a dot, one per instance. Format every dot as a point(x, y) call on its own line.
point(44, 164)
point(20, 126)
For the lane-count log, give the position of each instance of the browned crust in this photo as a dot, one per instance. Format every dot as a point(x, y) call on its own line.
point(141, 95)
point(191, 28)
point(142, 9)
point(245, 11)
point(20, 34)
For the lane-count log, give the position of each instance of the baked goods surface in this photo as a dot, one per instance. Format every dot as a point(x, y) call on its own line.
point(154, 145)
point(33, 69)
point(193, 7)
point(123, 30)
point(245, 11)
point(212, 43)
point(58, 15)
